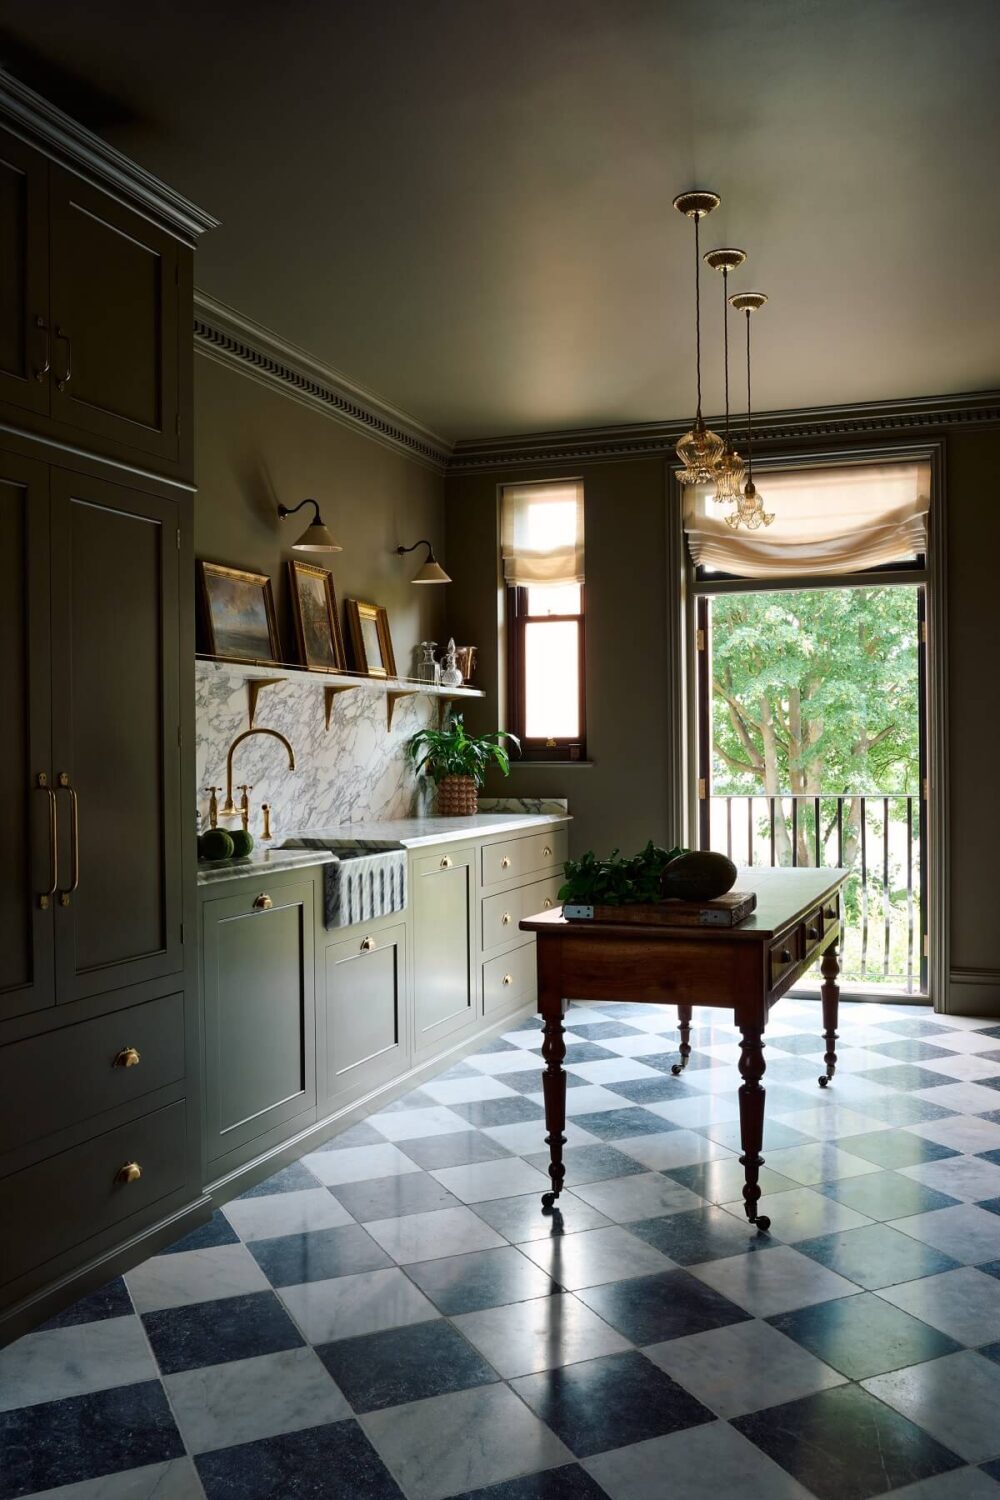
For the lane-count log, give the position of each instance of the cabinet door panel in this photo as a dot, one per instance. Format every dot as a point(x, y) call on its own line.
point(115, 306)
point(24, 275)
point(115, 717)
point(259, 1015)
point(26, 970)
point(365, 1010)
point(444, 998)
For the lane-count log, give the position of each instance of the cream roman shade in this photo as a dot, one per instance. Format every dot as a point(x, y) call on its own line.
point(541, 532)
point(837, 519)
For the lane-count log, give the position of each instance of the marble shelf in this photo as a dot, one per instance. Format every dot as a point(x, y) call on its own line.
point(259, 675)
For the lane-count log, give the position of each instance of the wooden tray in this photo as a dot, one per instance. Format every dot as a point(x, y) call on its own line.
point(725, 911)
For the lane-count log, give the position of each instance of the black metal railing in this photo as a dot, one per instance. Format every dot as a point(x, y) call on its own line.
point(877, 837)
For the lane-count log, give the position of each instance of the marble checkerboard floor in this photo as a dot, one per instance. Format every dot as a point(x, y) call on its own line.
point(393, 1315)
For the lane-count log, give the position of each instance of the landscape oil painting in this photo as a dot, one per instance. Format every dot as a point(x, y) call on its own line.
point(314, 607)
point(239, 614)
point(371, 643)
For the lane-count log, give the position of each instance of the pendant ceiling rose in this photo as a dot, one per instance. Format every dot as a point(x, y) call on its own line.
point(696, 204)
point(727, 258)
point(747, 301)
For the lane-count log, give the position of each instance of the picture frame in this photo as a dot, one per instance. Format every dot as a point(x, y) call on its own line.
point(317, 625)
point(371, 643)
point(240, 623)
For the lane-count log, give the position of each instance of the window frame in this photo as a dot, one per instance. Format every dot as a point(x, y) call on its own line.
point(537, 749)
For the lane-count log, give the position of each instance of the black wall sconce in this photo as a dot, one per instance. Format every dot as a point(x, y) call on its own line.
point(315, 538)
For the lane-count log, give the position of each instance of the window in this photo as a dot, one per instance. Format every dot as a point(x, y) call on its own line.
point(542, 552)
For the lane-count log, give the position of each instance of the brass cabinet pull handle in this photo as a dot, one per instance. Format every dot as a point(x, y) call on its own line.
point(368, 945)
point(505, 862)
point(129, 1171)
point(74, 839)
point(446, 863)
point(46, 364)
point(67, 375)
point(508, 979)
point(263, 902)
point(546, 852)
point(546, 904)
point(42, 785)
point(505, 919)
point(128, 1057)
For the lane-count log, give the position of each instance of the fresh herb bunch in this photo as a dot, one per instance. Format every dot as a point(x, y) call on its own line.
point(452, 752)
point(616, 881)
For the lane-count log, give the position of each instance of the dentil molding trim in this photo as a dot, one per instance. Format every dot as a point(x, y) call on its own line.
point(226, 336)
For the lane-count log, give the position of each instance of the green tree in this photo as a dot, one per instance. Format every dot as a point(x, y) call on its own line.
point(815, 692)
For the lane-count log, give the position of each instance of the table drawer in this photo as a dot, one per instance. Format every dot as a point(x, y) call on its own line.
point(508, 979)
point(784, 955)
point(54, 1205)
point(503, 912)
point(516, 857)
point(812, 930)
point(64, 1077)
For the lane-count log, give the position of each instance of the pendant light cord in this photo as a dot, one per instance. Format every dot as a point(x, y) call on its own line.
point(749, 422)
point(697, 307)
point(725, 342)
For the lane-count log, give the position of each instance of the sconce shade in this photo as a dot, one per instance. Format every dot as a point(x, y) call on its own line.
point(432, 571)
point(315, 538)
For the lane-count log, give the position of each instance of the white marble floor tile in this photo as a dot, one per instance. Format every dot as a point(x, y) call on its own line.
point(492, 1179)
point(723, 1180)
point(452, 1444)
point(218, 1406)
point(530, 1038)
point(521, 1219)
point(349, 1305)
point(965, 1232)
point(645, 1195)
point(712, 1462)
point(194, 1276)
point(673, 1148)
point(968, 1133)
point(698, 1110)
point(498, 1063)
point(966, 1040)
point(956, 1399)
point(588, 1099)
point(821, 1161)
point(428, 1236)
point(743, 1368)
point(177, 1479)
point(412, 1124)
point(803, 1214)
point(773, 1281)
point(959, 1484)
point(970, 1178)
point(60, 1362)
point(595, 1256)
point(640, 1044)
point(830, 1120)
point(613, 1070)
point(358, 1163)
point(964, 1303)
point(285, 1213)
point(525, 1137)
point(965, 1067)
point(963, 1098)
point(540, 1334)
point(462, 1090)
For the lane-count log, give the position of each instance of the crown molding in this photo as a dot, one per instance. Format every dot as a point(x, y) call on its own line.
point(41, 124)
point(770, 429)
point(226, 336)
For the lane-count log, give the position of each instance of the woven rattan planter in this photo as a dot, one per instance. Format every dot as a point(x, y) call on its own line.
point(458, 796)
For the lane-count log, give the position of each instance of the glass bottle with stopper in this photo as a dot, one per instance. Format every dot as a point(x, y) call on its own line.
point(451, 673)
point(428, 670)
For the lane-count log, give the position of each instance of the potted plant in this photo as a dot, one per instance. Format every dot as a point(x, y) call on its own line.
point(457, 762)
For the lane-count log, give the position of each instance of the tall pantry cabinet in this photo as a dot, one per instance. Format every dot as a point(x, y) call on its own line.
point(99, 1086)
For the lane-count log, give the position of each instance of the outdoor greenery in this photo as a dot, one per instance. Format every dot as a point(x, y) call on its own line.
point(452, 752)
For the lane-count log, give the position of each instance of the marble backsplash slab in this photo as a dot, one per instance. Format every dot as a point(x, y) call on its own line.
point(356, 770)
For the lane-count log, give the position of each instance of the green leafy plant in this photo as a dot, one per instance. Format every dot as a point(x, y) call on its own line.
point(616, 881)
point(452, 752)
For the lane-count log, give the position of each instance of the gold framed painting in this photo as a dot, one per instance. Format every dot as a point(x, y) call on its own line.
point(314, 609)
point(239, 614)
point(371, 644)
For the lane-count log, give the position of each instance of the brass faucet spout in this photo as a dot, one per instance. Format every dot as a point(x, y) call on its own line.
point(230, 810)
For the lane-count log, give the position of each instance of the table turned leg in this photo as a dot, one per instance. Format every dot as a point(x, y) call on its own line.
point(752, 1066)
point(830, 996)
point(554, 1088)
point(684, 1026)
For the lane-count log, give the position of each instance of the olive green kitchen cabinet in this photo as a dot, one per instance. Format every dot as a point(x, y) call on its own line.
point(258, 1015)
point(442, 901)
point(366, 1032)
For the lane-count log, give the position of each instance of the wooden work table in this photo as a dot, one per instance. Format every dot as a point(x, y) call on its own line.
point(745, 969)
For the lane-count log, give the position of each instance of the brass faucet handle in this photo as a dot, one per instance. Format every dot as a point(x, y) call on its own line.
point(244, 786)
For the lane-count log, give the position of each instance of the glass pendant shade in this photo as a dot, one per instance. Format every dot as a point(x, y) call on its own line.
point(699, 451)
point(749, 510)
point(729, 477)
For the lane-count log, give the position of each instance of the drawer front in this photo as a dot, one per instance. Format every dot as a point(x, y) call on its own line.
point(813, 929)
point(785, 954)
point(50, 1082)
point(508, 980)
point(541, 895)
point(56, 1204)
point(501, 915)
point(516, 857)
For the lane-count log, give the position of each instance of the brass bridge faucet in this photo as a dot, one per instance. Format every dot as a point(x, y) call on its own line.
point(229, 809)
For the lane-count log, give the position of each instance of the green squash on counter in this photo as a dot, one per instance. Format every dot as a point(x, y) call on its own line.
point(242, 842)
point(216, 843)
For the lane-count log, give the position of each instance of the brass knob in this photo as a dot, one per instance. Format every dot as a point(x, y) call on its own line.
point(546, 852)
point(505, 862)
point(263, 902)
point(505, 919)
point(446, 863)
point(367, 944)
point(129, 1172)
point(128, 1057)
point(508, 979)
point(547, 903)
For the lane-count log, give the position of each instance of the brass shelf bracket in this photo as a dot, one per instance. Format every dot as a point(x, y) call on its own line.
point(392, 698)
point(330, 691)
point(254, 687)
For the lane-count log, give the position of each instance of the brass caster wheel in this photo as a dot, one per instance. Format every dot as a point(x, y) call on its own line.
point(677, 1069)
point(823, 1080)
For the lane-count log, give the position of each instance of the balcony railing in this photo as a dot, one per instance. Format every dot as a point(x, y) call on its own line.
point(877, 837)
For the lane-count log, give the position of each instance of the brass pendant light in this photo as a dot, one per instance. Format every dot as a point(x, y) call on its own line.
point(700, 449)
point(731, 470)
point(749, 511)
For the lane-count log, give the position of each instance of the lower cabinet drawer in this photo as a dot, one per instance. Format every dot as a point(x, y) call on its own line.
point(524, 856)
point(503, 912)
point(785, 954)
point(54, 1205)
point(65, 1077)
point(508, 980)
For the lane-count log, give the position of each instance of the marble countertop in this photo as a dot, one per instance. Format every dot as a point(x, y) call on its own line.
point(262, 858)
point(414, 833)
